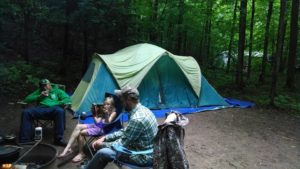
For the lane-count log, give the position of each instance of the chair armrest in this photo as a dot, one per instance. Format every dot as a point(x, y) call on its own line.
point(61, 86)
point(122, 149)
point(23, 104)
point(68, 109)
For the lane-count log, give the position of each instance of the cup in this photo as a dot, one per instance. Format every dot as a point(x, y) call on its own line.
point(38, 134)
point(83, 115)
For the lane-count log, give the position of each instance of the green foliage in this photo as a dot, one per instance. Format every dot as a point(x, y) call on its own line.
point(288, 102)
point(257, 93)
point(19, 78)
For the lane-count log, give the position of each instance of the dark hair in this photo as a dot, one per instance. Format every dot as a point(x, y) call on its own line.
point(132, 96)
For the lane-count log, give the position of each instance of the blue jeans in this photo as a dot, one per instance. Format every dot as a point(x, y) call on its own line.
point(106, 155)
point(101, 158)
point(55, 113)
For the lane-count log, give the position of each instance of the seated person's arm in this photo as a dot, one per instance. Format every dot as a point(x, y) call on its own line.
point(132, 132)
point(64, 98)
point(35, 96)
point(114, 136)
point(129, 135)
point(111, 118)
point(108, 140)
point(97, 119)
point(98, 113)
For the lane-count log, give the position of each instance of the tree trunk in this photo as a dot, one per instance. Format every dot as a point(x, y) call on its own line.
point(178, 40)
point(231, 37)
point(209, 37)
point(251, 39)
point(95, 38)
point(170, 35)
point(85, 48)
point(201, 41)
point(290, 80)
point(282, 58)
point(205, 50)
point(185, 43)
point(27, 36)
point(266, 42)
point(275, 65)
point(65, 59)
point(153, 31)
point(241, 45)
point(70, 7)
point(124, 26)
point(285, 47)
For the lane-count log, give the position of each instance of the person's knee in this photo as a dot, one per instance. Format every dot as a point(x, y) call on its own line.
point(59, 110)
point(100, 153)
point(83, 132)
point(105, 153)
point(80, 127)
point(26, 112)
point(77, 127)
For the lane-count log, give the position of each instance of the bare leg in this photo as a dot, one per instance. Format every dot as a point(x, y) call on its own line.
point(81, 140)
point(74, 135)
point(80, 156)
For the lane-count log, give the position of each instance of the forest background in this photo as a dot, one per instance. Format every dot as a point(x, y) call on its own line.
point(256, 38)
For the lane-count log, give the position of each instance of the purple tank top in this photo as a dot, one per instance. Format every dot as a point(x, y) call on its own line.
point(100, 124)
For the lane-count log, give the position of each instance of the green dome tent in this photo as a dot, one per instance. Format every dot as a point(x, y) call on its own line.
point(163, 79)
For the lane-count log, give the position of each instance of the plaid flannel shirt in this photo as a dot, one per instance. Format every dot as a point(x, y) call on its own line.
point(138, 135)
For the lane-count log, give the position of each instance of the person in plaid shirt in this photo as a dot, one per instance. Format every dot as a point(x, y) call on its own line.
point(137, 136)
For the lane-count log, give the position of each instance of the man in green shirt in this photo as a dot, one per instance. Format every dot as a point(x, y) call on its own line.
point(51, 102)
point(137, 136)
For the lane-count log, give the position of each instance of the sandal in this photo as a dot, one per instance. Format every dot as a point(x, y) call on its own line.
point(78, 158)
point(61, 155)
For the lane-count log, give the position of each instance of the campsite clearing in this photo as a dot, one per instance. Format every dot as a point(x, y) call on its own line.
point(223, 139)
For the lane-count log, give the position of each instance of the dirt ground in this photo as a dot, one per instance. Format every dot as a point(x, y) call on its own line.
point(231, 138)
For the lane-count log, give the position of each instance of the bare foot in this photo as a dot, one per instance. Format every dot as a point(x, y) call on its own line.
point(65, 153)
point(79, 157)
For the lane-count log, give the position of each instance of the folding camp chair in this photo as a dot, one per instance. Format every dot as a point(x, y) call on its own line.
point(125, 165)
point(110, 127)
point(116, 125)
point(48, 122)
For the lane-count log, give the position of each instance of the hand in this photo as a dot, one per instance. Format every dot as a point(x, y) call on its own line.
point(67, 106)
point(44, 93)
point(96, 145)
point(105, 111)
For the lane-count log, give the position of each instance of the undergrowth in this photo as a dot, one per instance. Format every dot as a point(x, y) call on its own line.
point(256, 92)
point(19, 78)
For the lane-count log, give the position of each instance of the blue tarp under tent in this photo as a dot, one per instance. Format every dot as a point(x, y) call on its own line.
point(160, 113)
point(165, 81)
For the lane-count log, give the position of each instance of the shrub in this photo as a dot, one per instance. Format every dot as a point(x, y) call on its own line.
point(19, 78)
